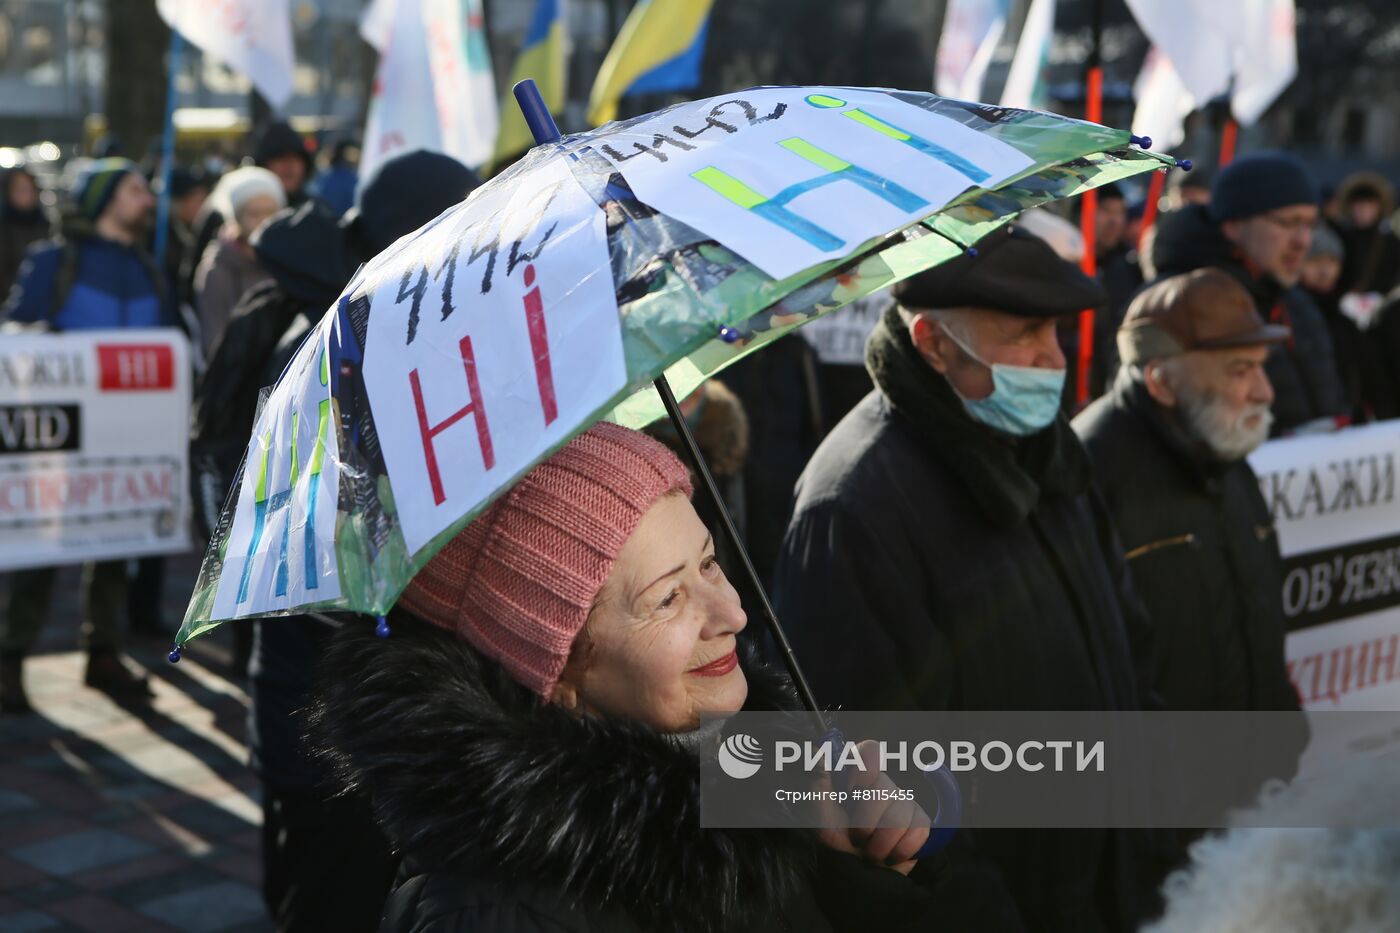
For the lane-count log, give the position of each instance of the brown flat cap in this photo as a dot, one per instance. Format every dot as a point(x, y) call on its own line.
point(1202, 310)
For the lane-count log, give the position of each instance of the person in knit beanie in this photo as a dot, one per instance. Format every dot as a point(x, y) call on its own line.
point(527, 732)
point(246, 196)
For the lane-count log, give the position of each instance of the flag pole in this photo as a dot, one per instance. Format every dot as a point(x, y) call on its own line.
point(1149, 207)
point(542, 126)
point(1229, 136)
point(167, 148)
point(1093, 112)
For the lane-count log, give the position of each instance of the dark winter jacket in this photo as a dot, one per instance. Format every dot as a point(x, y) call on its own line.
point(1360, 365)
point(1203, 552)
point(515, 816)
point(933, 563)
point(1371, 259)
point(1205, 559)
point(1303, 371)
point(1383, 336)
point(82, 281)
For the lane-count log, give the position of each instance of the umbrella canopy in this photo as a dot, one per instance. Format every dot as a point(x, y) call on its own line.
point(671, 244)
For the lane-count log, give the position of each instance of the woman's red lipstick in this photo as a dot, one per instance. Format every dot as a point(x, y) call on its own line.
point(717, 668)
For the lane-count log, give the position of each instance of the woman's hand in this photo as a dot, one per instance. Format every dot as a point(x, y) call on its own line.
point(887, 831)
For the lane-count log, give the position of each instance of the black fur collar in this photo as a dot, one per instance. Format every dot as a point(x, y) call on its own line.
point(467, 769)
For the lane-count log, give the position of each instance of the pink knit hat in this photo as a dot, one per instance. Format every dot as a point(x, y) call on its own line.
point(519, 581)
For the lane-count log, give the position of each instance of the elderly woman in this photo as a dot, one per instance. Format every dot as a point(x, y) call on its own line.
point(526, 734)
point(229, 267)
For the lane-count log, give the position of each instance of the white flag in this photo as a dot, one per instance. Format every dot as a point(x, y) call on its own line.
point(1266, 61)
point(433, 89)
point(1025, 84)
point(1163, 102)
point(971, 30)
point(253, 37)
point(1245, 48)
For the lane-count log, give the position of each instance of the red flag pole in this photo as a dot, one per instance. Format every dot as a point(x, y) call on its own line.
point(1149, 207)
point(1229, 135)
point(1093, 112)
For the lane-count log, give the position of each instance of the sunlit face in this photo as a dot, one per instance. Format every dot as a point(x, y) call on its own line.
point(1276, 241)
point(290, 169)
point(1223, 398)
point(995, 336)
point(255, 211)
point(659, 646)
point(1320, 273)
point(132, 204)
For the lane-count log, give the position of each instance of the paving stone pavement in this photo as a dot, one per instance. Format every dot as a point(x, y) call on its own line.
point(136, 818)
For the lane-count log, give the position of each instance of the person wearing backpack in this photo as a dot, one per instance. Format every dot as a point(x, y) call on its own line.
point(95, 274)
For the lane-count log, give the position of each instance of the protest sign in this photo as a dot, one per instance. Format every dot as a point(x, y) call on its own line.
point(792, 177)
point(94, 429)
point(1334, 502)
point(491, 338)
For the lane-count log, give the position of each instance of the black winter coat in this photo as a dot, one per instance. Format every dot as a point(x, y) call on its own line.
point(1303, 371)
point(1383, 336)
point(933, 563)
point(1203, 552)
point(515, 816)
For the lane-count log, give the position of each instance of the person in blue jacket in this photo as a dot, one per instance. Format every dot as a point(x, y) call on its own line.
point(96, 274)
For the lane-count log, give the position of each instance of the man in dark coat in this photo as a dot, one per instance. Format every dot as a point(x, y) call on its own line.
point(1169, 445)
point(948, 531)
point(1257, 227)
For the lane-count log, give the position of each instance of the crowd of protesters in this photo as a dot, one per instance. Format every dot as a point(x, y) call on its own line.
point(914, 477)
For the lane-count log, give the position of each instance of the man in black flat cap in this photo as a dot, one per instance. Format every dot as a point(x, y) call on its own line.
point(947, 551)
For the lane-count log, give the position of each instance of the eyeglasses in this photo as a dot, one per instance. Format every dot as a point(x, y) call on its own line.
point(1290, 224)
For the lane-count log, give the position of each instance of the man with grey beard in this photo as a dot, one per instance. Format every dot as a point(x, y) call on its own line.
point(1168, 445)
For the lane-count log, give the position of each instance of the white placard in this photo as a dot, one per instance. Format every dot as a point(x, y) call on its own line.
point(94, 434)
point(791, 177)
point(281, 547)
point(1336, 505)
point(493, 334)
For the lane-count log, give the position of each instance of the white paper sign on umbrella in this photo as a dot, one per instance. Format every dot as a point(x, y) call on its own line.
point(792, 177)
point(491, 338)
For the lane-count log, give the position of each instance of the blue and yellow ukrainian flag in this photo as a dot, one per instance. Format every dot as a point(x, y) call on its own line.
point(659, 49)
point(542, 58)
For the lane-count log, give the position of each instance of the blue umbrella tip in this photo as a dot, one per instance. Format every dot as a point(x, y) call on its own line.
point(728, 334)
point(972, 252)
point(382, 629)
point(1184, 164)
point(1144, 142)
point(174, 656)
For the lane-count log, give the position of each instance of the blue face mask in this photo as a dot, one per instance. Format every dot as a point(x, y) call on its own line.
point(1024, 399)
